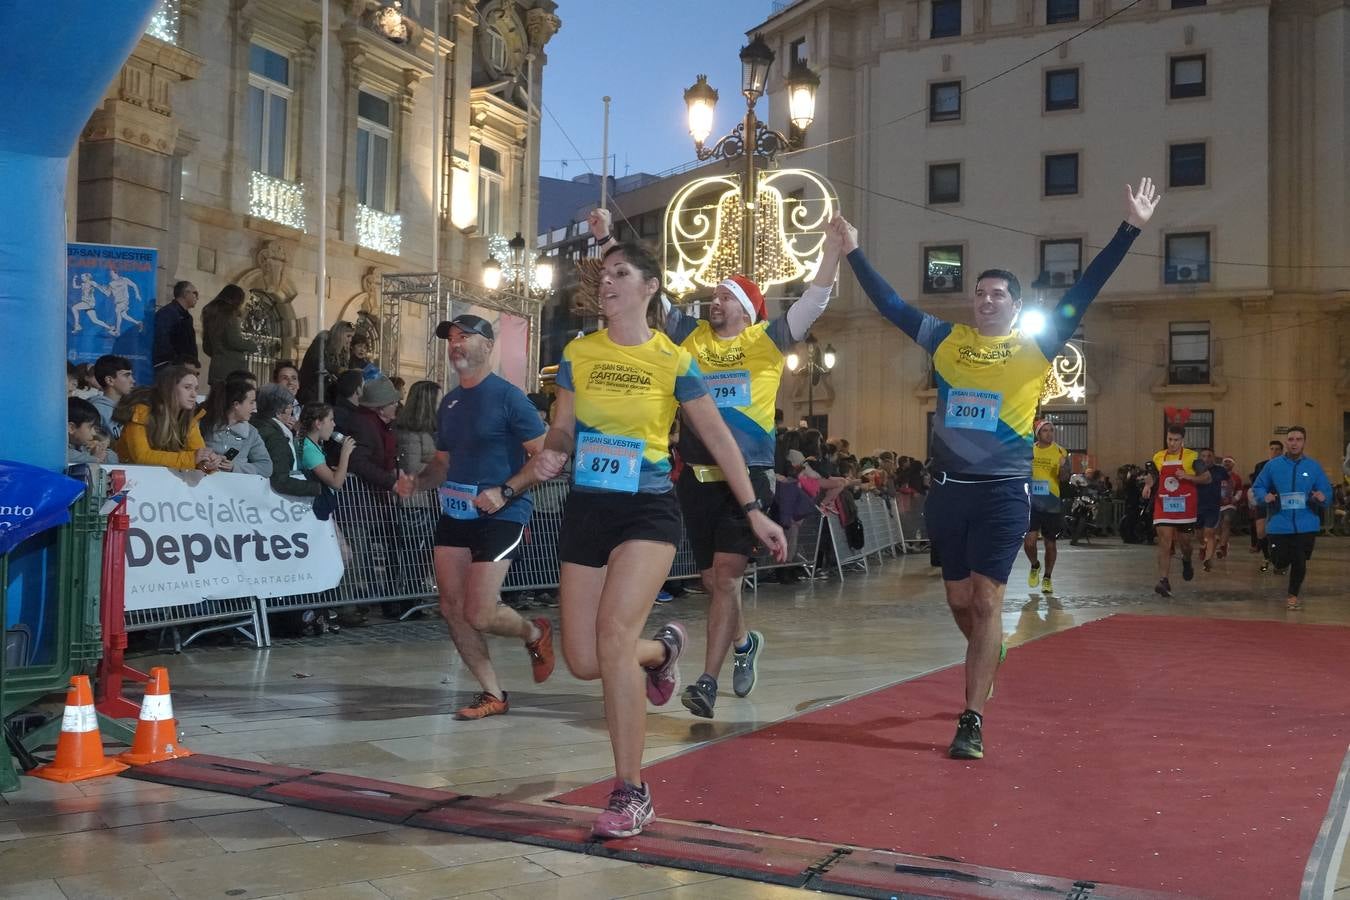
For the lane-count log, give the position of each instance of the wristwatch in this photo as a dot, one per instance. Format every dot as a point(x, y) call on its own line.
point(508, 492)
point(752, 506)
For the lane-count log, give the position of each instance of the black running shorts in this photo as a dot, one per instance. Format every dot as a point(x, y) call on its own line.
point(714, 520)
point(488, 540)
point(596, 522)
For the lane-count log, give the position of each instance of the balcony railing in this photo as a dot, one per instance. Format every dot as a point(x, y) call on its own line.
point(377, 230)
point(277, 201)
point(164, 23)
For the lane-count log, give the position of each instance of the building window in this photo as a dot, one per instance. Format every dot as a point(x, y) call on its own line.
point(944, 183)
point(944, 101)
point(1188, 353)
point(797, 53)
point(1199, 429)
point(490, 186)
point(1186, 165)
point(942, 270)
point(1071, 429)
point(1061, 89)
point(1061, 174)
point(269, 103)
point(946, 18)
point(496, 49)
point(1188, 77)
point(1061, 262)
point(373, 138)
point(1183, 4)
point(1057, 11)
point(1187, 258)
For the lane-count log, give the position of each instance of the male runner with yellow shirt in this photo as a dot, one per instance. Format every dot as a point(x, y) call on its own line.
point(1047, 515)
point(989, 379)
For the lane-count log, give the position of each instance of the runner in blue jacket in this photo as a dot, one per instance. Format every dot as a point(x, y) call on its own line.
point(1295, 490)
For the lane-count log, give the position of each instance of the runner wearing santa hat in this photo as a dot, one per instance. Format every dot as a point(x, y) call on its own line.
point(740, 354)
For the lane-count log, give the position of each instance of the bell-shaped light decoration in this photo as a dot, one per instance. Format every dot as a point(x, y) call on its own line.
point(801, 85)
point(701, 99)
point(492, 273)
point(543, 273)
point(756, 58)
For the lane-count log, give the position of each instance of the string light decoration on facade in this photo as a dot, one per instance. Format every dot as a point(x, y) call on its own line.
point(277, 201)
point(703, 224)
point(377, 230)
point(164, 22)
point(499, 248)
point(1067, 376)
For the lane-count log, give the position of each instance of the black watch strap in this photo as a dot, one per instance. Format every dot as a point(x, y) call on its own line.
point(508, 492)
point(752, 506)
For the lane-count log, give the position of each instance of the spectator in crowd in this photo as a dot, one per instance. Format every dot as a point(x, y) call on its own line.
point(415, 427)
point(80, 381)
point(226, 428)
point(175, 333)
point(81, 419)
point(101, 446)
point(287, 375)
point(346, 394)
point(316, 427)
point(358, 356)
point(375, 460)
point(159, 426)
point(113, 374)
point(275, 421)
point(326, 358)
point(399, 385)
point(223, 334)
point(243, 375)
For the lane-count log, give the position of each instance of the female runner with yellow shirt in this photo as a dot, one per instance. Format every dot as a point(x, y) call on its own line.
point(618, 393)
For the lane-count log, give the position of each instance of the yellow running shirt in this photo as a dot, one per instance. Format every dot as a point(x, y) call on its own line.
point(1046, 464)
point(625, 403)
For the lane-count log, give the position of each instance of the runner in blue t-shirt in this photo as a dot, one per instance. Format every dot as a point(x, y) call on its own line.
point(1208, 499)
point(486, 428)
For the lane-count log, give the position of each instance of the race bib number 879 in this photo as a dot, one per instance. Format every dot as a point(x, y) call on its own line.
point(608, 463)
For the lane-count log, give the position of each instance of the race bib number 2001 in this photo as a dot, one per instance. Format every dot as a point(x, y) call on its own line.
point(978, 410)
point(608, 463)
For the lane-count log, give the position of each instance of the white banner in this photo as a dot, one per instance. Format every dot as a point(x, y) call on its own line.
point(197, 537)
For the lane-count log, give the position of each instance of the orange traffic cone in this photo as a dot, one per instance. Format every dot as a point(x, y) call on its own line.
point(156, 731)
point(79, 749)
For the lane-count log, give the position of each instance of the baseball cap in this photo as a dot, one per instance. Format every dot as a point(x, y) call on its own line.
point(466, 322)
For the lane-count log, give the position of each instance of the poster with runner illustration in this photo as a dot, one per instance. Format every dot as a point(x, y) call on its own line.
point(110, 304)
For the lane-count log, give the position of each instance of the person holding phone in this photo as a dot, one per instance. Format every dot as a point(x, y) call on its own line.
point(226, 428)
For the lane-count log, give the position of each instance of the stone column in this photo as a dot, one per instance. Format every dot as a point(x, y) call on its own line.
point(127, 179)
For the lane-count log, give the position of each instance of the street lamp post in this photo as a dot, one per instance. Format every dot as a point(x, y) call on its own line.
point(524, 277)
point(814, 366)
point(751, 140)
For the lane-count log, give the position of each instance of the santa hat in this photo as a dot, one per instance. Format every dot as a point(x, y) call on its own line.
point(746, 291)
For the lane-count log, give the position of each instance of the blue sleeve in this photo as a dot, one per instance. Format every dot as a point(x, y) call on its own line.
point(679, 325)
point(1069, 313)
point(925, 330)
point(1261, 486)
point(523, 418)
point(564, 377)
point(690, 386)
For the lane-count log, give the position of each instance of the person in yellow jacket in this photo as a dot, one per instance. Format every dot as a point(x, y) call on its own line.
point(1048, 460)
point(161, 426)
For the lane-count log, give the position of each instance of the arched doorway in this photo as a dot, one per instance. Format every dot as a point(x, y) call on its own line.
point(262, 325)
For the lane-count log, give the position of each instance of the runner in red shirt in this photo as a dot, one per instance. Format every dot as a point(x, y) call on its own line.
point(1175, 504)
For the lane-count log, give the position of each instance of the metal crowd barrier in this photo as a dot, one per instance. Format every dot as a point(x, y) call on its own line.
point(388, 554)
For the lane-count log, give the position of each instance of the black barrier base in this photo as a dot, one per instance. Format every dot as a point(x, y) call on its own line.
point(814, 866)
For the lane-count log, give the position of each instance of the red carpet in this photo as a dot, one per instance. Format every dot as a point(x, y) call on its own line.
point(1185, 755)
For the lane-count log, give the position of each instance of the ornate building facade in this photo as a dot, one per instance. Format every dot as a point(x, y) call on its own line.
point(207, 149)
point(973, 134)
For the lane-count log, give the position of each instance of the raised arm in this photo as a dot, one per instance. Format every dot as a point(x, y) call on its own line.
point(917, 324)
point(1064, 321)
point(811, 305)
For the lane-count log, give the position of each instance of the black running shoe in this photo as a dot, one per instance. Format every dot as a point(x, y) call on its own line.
point(1187, 569)
point(700, 698)
point(968, 743)
point(1163, 588)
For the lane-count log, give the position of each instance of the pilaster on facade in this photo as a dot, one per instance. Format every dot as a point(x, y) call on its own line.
point(138, 109)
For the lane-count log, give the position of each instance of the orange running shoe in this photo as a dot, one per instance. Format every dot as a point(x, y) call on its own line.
point(541, 651)
point(484, 705)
